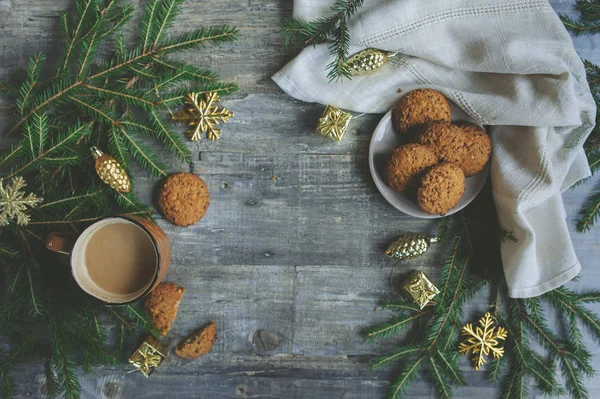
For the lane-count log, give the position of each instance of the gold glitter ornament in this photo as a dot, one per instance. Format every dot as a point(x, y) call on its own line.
point(367, 60)
point(410, 246)
point(111, 172)
point(420, 289)
point(14, 202)
point(148, 356)
point(483, 339)
point(334, 123)
point(202, 115)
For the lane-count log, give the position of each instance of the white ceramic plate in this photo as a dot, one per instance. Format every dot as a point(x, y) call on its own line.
point(385, 139)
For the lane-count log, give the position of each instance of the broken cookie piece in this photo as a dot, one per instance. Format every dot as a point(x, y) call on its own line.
point(162, 305)
point(199, 343)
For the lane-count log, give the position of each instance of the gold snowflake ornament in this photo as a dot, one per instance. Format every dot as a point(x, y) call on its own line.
point(202, 115)
point(483, 339)
point(14, 202)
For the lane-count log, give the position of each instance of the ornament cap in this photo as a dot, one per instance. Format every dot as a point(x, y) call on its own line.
point(96, 153)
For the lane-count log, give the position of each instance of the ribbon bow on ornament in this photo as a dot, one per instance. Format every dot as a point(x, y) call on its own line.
point(148, 356)
point(421, 289)
point(334, 123)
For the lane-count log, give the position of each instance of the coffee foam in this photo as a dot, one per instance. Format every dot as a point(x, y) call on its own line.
point(81, 274)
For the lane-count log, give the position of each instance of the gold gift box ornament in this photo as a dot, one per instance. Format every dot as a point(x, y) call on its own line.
point(148, 356)
point(420, 289)
point(334, 123)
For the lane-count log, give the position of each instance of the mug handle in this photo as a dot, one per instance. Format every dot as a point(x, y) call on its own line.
point(61, 242)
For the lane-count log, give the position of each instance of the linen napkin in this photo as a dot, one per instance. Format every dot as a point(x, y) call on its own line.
point(508, 64)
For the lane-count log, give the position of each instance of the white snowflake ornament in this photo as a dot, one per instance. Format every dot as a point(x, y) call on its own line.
point(14, 203)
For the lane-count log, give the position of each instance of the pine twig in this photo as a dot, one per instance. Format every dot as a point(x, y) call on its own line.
point(333, 29)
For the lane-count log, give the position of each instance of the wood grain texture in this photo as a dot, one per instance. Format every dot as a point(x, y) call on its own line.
point(288, 259)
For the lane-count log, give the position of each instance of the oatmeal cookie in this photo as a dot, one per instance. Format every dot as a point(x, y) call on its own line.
point(419, 107)
point(406, 164)
point(183, 199)
point(478, 149)
point(441, 188)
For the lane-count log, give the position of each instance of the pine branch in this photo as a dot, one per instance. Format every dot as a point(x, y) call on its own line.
point(28, 86)
point(589, 9)
point(169, 138)
point(189, 72)
point(589, 214)
point(127, 97)
point(495, 370)
point(580, 28)
point(84, 11)
point(201, 37)
point(8, 252)
point(51, 384)
point(407, 375)
point(141, 153)
point(439, 379)
point(177, 97)
point(450, 367)
point(148, 26)
point(165, 16)
point(72, 135)
point(544, 376)
point(294, 31)
point(214, 35)
point(394, 326)
point(7, 90)
point(66, 370)
point(321, 30)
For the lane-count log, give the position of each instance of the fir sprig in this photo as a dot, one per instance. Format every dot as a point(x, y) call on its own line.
point(333, 29)
point(89, 99)
point(433, 350)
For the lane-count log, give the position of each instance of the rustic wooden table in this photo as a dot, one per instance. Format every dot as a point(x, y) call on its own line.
point(288, 260)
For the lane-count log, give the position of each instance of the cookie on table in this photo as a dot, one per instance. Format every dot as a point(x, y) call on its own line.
point(419, 107)
point(441, 188)
point(478, 149)
point(162, 305)
point(183, 199)
point(199, 343)
point(406, 164)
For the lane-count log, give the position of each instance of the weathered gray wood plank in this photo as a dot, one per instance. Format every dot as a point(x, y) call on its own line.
point(288, 259)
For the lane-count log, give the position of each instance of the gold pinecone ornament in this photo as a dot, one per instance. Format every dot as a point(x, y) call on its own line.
point(410, 246)
point(111, 172)
point(367, 60)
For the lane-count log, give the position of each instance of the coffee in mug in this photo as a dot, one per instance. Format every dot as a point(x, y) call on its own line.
point(117, 260)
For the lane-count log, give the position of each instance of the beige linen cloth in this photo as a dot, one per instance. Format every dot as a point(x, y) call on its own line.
point(508, 64)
